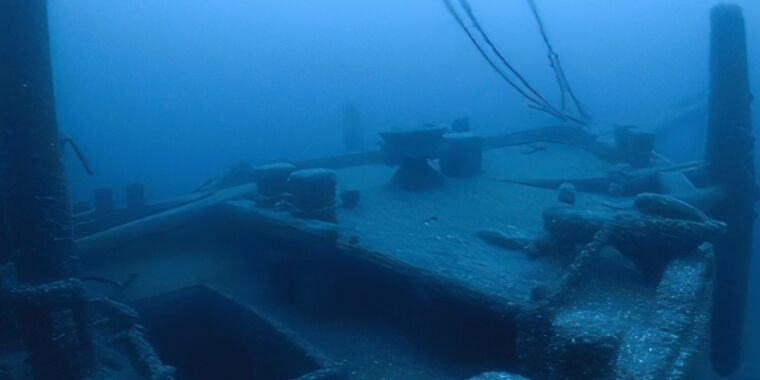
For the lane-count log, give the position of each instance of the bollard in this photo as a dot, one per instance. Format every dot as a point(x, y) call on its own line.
point(272, 182)
point(313, 193)
point(272, 179)
point(414, 149)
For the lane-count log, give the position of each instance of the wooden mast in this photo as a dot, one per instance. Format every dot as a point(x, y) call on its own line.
point(36, 205)
point(36, 224)
point(729, 154)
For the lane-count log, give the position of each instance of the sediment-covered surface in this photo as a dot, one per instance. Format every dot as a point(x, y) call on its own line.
point(402, 287)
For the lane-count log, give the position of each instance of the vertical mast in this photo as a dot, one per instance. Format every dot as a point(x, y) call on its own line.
point(36, 221)
point(729, 154)
point(36, 209)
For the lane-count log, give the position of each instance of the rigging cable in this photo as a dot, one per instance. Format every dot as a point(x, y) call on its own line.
point(468, 10)
point(556, 64)
point(488, 59)
point(527, 91)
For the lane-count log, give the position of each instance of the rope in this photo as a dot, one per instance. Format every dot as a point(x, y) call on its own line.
point(80, 155)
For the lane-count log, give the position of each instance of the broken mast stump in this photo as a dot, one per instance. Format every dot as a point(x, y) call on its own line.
point(729, 155)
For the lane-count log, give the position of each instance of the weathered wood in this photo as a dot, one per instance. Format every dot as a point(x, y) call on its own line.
point(105, 241)
point(704, 199)
point(37, 219)
point(659, 229)
point(91, 222)
point(376, 157)
point(511, 239)
point(568, 135)
point(667, 207)
point(316, 234)
point(34, 194)
point(554, 134)
point(679, 324)
point(674, 182)
point(615, 182)
point(729, 154)
point(574, 136)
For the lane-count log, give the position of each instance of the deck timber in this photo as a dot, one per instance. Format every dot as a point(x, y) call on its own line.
point(421, 249)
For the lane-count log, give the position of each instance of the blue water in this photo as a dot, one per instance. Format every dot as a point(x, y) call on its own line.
point(171, 92)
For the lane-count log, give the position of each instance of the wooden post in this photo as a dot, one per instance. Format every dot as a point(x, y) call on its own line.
point(37, 218)
point(729, 154)
point(35, 198)
point(5, 251)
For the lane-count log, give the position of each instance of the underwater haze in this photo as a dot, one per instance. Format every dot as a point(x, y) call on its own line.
point(171, 93)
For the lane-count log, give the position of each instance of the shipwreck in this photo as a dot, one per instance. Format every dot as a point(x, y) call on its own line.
point(572, 251)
